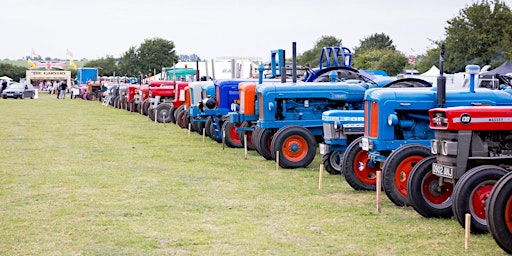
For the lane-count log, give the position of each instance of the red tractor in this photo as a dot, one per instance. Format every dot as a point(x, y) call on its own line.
point(163, 98)
point(472, 150)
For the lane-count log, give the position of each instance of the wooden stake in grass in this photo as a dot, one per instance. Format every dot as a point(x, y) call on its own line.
point(204, 133)
point(223, 138)
point(378, 190)
point(467, 230)
point(320, 177)
point(164, 121)
point(156, 112)
point(189, 128)
point(277, 160)
point(245, 146)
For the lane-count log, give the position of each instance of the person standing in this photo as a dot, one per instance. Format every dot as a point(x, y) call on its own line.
point(62, 90)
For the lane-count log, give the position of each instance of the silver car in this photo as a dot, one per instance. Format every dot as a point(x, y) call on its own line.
point(19, 91)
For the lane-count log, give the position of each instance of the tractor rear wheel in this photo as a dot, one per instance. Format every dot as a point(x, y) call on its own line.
point(296, 146)
point(425, 195)
point(151, 114)
point(332, 162)
point(358, 169)
point(397, 168)
point(265, 142)
point(163, 113)
point(256, 134)
point(232, 139)
point(471, 193)
point(131, 105)
point(171, 114)
point(176, 113)
point(499, 213)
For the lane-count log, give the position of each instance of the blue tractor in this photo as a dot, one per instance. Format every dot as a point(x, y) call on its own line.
point(397, 134)
point(342, 127)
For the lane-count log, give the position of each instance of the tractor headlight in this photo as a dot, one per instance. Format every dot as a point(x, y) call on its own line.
point(392, 119)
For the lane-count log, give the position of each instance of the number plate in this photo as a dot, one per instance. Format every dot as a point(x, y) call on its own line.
point(365, 145)
point(442, 170)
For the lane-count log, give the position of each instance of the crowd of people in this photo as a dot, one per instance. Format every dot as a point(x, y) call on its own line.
point(59, 88)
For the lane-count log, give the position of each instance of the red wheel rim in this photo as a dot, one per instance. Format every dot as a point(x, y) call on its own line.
point(364, 172)
point(233, 135)
point(508, 214)
point(295, 148)
point(429, 188)
point(479, 199)
point(402, 173)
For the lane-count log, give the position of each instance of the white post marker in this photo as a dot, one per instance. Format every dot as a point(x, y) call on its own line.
point(156, 112)
point(164, 120)
point(245, 146)
point(277, 160)
point(189, 128)
point(467, 230)
point(223, 138)
point(378, 190)
point(204, 133)
point(320, 177)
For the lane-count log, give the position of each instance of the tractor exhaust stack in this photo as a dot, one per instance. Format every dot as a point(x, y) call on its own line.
point(441, 80)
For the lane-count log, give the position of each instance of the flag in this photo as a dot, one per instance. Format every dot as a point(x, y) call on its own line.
point(31, 63)
point(72, 64)
point(412, 61)
point(69, 53)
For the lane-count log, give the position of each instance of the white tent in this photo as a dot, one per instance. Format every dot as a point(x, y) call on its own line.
point(5, 78)
point(433, 71)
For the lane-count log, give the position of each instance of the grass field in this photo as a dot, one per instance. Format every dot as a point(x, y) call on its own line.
point(79, 178)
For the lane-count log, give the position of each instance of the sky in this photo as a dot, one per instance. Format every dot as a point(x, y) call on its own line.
point(215, 29)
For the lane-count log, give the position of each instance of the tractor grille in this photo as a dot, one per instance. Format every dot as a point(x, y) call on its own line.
point(371, 119)
point(329, 131)
point(442, 137)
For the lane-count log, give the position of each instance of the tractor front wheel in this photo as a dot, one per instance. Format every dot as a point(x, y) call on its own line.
point(471, 193)
point(232, 139)
point(296, 146)
point(427, 197)
point(163, 113)
point(332, 162)
point(358, 169)
point(397, 168)
point(499, 213)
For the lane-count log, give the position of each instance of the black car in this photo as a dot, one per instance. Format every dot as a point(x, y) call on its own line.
point(19, 90)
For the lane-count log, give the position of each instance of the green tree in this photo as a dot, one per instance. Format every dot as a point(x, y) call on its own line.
point(129, 63)
point(480, 34)
point(391, 61)
point(13, 71)
point(155, 53)
point(376, 41)
point(106, 66)
point(312, 56)
point(426, 61)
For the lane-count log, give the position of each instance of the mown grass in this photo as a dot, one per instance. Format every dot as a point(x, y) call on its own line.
point(79, 178)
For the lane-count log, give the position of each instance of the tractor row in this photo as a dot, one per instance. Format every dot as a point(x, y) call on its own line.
point(364, 124)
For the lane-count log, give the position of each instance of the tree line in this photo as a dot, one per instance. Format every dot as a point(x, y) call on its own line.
point(480, 34)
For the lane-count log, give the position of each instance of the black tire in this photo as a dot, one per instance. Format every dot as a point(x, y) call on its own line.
point(471, 192)
point(186, 120)
point(198, 126)
point(250, 145)
point(176, 111)
point(172, 114)
point(163, 113)
point(425, 195)
point(207, 126)
point(145, 107)
point(332, 162)
point(499, 213)
point(296, 146)
point(232, 140)
point(397, 168)
point(131, 105)
point(256, 134)
point(138, 107)
point(180, 119)
point(265, 142)
point(151, 114)
point(359, 171)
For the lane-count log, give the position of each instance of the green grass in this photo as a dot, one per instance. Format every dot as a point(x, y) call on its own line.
point(79, 178)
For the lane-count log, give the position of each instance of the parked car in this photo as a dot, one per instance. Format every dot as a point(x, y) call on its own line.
point(19, 90)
